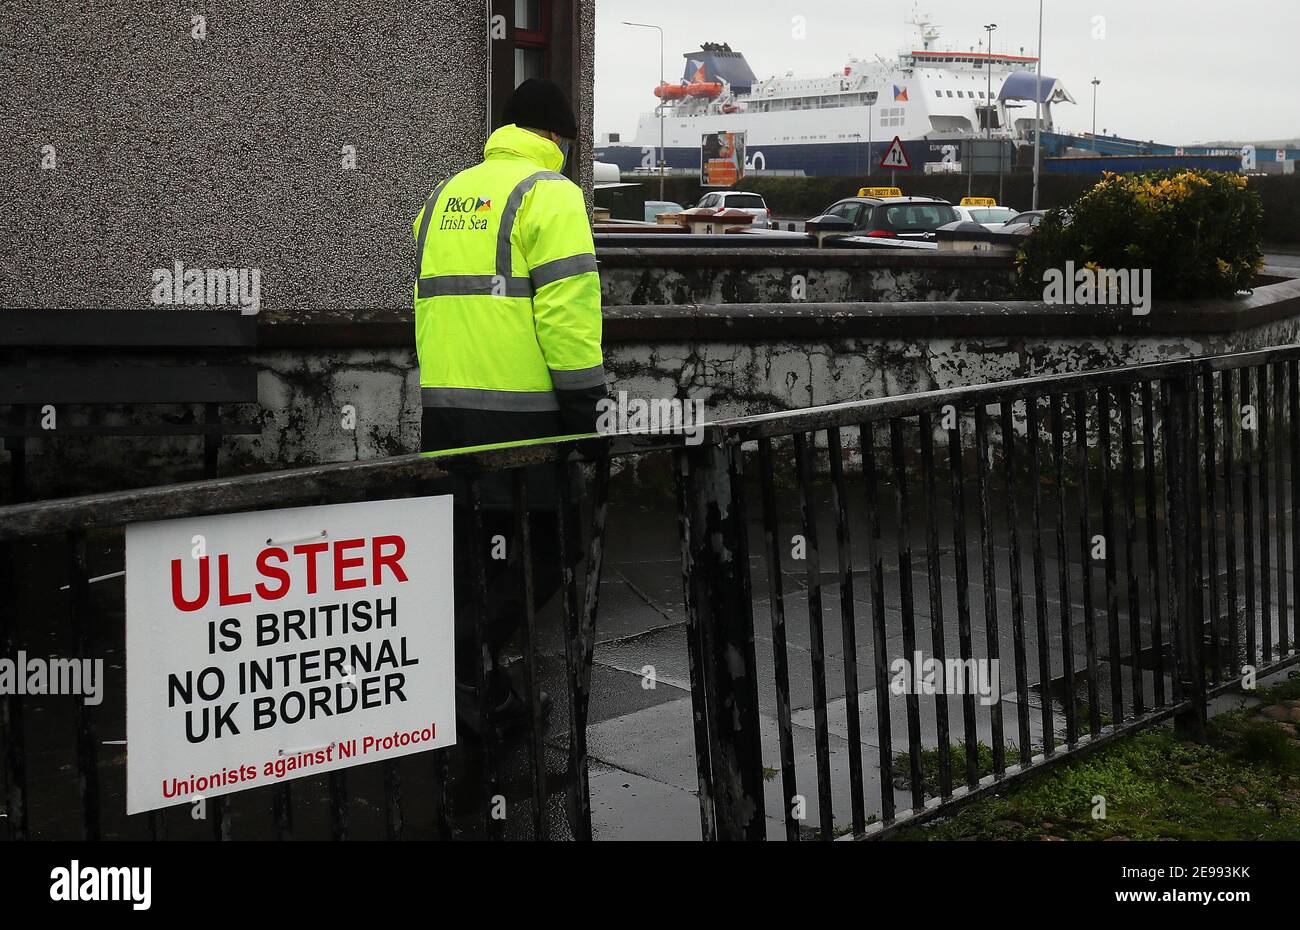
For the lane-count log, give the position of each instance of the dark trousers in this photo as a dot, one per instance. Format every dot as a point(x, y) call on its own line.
point(503, 607)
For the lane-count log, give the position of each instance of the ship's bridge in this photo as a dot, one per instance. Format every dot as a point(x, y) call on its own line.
point(978, 60)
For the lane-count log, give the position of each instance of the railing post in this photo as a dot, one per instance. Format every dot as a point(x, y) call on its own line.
point(721, 639)
point(1181, 460)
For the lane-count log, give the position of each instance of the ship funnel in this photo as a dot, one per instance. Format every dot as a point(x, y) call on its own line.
point(718, 64)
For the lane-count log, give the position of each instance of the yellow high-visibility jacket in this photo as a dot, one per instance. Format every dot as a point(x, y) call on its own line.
point(507, 296)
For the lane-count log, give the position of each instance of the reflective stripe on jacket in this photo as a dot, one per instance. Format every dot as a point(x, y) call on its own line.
point(507, 296)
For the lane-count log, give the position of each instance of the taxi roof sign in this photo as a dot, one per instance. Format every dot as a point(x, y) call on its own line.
point(880, 192)
point(979, 202)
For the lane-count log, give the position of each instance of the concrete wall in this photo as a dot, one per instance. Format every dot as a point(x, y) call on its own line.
point(227, 151)
point(310, 374)
point(677, 276)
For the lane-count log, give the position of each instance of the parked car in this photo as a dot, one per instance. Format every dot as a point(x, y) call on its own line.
point(1029, 217)
point(988, 217)
point(883, 213)
point(753, 204)
point(655, 207)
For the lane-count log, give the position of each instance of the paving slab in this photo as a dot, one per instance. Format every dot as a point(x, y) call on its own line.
point(625, 806)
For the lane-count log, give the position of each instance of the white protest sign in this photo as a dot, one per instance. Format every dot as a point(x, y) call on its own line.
point(267, 646)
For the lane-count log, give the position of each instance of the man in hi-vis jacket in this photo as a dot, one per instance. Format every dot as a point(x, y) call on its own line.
point(508, 333)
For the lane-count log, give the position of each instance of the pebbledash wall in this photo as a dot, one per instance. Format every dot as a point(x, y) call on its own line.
point(295, 139)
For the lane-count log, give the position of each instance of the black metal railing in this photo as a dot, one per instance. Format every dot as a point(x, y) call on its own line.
point(1127, 478)
point(57, 788)
point(1109, 547)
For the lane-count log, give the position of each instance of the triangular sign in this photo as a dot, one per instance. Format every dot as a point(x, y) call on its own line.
point(895, 157)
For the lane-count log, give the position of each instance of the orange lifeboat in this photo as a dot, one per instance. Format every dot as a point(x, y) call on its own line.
point(670, 91)
point(704, 89)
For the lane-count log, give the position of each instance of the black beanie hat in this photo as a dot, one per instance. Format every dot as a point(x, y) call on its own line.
point(540, 104)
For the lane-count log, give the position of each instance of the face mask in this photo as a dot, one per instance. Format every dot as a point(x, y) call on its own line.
point(564, 145)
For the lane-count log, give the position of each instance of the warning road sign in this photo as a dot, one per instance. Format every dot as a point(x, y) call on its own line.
point(895, 157)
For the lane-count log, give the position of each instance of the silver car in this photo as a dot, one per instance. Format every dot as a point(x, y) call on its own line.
point(655, 207)
point(988, 217)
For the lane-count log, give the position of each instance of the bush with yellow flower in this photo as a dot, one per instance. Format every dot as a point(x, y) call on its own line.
point(1197, 231)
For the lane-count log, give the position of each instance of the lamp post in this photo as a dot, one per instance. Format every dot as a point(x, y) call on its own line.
point(1095, 83)
point(988, 66)
point(1038, 103)
point(662, 103)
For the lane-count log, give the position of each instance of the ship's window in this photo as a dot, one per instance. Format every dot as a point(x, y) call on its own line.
point(938, 93)
point(949, 93)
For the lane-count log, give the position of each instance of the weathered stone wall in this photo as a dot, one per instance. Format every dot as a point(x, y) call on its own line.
point(741, 379)
point(309, 392)
point(675, 276)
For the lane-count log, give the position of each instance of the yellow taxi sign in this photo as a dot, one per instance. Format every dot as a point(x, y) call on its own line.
point(880, 192)
point(979, 202)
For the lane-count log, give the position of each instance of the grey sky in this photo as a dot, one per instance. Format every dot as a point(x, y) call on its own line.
point(1176, 71)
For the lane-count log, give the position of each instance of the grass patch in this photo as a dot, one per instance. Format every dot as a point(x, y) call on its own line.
point(957, 765)
point(1244, 784)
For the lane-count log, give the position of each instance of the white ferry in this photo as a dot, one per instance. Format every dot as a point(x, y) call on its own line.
point(932, 97)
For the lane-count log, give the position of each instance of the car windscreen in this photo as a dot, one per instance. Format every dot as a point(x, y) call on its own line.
point(915, 217)
point(848, 210)
point(745, 201)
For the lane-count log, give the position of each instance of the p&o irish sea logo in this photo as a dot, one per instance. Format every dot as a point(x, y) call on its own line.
point(465, 213)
